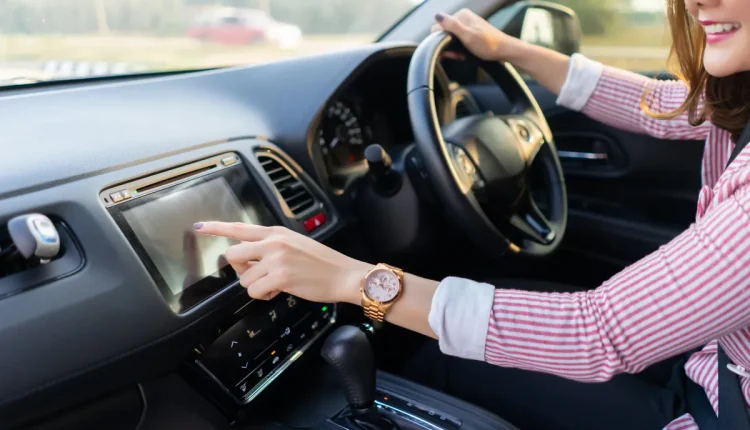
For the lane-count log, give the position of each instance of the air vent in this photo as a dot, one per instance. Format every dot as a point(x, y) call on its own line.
point(292, 190)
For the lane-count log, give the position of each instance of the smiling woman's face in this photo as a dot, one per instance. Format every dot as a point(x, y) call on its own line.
point(727, 27)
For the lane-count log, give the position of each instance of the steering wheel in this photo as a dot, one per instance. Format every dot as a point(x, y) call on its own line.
point(480, 165)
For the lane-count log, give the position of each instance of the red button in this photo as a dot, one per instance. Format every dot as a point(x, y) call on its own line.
point(315, 221)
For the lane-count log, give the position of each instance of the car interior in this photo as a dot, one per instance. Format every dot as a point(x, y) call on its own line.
point(114, 315)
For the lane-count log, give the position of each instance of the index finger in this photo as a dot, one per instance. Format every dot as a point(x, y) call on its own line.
point(232, 230)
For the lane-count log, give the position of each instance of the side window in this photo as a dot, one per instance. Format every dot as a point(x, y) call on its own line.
point(629, 34)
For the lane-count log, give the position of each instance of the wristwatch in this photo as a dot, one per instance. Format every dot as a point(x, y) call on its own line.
point(381, 287)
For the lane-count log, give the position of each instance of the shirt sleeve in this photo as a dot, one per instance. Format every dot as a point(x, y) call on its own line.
point(613, 96)
point(688, 292)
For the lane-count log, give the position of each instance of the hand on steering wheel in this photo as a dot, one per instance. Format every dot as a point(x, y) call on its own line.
point(477, 35)
point(480, 165)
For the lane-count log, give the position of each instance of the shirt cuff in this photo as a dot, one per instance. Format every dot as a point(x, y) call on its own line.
point(583, 77)
point(460, 316)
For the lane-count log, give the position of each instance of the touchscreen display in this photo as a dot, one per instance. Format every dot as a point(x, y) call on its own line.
point(165, 229)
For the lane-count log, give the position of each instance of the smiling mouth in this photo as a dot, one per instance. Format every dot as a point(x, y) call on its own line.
point(720, 28)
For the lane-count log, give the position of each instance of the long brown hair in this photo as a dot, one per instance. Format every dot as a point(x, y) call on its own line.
point(723, 101)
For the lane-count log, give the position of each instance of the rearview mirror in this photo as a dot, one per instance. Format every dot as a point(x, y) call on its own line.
point(541, 23)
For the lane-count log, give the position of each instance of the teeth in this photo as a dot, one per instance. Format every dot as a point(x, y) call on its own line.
point(720, 28)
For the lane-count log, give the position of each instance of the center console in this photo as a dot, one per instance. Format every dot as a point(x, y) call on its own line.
point(248, 355)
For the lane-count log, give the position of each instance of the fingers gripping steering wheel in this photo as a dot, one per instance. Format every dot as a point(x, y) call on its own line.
point(479, 165)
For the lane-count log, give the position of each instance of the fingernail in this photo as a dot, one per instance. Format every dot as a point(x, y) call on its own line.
point(198, 225)
point(439, 17)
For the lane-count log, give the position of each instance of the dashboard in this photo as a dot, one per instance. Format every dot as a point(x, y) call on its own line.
point(119, 166)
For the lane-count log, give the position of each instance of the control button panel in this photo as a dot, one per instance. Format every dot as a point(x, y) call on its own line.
point(120, 196)
point(266, 339)
point(416, 412)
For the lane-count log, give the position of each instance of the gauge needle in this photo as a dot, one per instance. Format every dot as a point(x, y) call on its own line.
point(334, 142)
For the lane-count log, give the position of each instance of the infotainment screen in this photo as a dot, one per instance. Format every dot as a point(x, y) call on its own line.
point(165, 229)
point(157, 218)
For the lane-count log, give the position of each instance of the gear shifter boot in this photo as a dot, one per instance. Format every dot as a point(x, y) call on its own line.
point(348, 350)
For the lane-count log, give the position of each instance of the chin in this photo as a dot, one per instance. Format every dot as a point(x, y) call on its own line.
point(721, 64)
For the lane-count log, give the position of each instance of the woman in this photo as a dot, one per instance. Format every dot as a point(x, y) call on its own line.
point(690, 294)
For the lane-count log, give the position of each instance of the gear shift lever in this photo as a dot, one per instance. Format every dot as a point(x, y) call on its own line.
point(349, 351)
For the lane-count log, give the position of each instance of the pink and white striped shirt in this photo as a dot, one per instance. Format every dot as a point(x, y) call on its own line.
point(692, 292)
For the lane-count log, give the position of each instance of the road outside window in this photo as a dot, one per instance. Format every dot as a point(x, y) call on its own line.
point(52, 39)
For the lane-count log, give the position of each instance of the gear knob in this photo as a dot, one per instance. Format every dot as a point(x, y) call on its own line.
point(348, 350)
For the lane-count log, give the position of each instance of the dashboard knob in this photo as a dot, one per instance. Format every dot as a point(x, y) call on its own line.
point(385, 180)
point(35, 237)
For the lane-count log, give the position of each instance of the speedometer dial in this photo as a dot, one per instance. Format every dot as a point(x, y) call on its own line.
point(341, 137)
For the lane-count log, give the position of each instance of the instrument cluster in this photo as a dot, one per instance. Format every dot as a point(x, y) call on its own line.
point(343, 135)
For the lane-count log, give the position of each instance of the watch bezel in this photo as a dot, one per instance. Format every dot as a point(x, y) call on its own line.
point(380, 268)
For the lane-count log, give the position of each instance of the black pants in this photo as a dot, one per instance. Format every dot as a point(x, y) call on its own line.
point(538, 401)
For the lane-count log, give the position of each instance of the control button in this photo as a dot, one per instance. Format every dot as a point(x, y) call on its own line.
point(252, 333)
point(125, 194)
point(272, 315)
point(46, 230)
point(287, 331)
point(275, 360)
point(116, 197)
point(315, 221)
point(228, 161)
point(289, 347)
point(291, 301)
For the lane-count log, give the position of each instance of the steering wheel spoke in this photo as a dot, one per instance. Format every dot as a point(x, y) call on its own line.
point(529, 135)
point(531, 223)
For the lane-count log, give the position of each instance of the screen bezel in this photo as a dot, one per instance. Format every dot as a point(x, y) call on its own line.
point(251, 199)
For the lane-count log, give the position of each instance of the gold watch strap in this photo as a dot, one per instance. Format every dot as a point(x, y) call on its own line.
point(373, 311)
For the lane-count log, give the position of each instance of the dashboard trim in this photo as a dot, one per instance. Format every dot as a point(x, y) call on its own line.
point(178, 175)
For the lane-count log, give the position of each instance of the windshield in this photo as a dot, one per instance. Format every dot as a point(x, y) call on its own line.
point(62, 39)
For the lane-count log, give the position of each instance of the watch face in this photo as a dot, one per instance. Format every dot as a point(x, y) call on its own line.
point(382, 285)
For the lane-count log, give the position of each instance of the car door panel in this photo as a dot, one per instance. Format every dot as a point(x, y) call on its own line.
point(628, 193)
